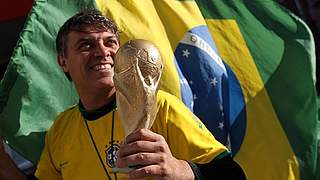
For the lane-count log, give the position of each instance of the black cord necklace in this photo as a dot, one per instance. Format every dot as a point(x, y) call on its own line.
point(95, 146)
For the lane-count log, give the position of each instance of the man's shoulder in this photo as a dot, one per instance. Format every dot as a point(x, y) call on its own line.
point(65, 118)
point(68, 111)
point(163, 96)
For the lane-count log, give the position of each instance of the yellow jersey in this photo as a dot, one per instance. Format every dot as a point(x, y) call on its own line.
point(69, 151)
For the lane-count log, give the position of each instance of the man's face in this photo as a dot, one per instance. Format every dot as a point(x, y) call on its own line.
point(89, 59)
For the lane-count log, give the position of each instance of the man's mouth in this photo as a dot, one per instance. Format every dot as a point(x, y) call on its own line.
point(102, 67)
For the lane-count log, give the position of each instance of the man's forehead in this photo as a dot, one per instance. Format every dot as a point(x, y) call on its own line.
point(91, 34)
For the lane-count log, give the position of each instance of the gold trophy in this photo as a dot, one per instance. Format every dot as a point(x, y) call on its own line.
point(137, 71)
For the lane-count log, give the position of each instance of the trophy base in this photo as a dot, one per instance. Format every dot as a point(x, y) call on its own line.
point(126, 169)
point(121, 170)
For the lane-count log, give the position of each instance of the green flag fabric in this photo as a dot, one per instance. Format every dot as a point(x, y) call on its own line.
point(246, 68)
point(34, 89)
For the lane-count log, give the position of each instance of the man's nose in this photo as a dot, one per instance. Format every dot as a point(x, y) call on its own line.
point(102, 51)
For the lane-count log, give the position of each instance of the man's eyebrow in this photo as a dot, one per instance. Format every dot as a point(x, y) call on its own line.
point(84, 39)
point(110, 37)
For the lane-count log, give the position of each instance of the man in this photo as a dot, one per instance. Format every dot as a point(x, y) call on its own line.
point(87, 141)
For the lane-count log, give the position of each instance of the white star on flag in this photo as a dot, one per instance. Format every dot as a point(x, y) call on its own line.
point(221, 125)
point(214, 81)
point(186, 53)
point(221, 107)
point(195, 97)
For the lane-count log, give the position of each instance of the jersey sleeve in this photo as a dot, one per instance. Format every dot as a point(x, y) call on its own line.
point(46, 168)
point(186, 135)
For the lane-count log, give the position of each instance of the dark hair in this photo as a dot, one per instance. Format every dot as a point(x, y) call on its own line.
point(92, 19)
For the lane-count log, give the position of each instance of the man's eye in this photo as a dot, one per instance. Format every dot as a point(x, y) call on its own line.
point(85, 46)
point(111, 42)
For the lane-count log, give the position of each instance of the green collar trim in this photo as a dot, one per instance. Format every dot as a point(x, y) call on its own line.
point(93, 115)
point(222, 155)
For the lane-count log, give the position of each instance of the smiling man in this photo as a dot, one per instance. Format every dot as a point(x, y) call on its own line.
point(84, 140)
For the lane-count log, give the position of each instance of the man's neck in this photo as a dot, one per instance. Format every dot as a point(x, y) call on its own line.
point(93, 102)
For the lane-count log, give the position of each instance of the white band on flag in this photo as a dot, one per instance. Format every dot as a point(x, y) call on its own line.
point(197, 41)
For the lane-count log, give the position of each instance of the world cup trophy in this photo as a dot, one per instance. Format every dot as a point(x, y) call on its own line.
point(137, 71)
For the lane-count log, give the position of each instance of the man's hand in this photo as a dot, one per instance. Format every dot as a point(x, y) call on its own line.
point(151, 153)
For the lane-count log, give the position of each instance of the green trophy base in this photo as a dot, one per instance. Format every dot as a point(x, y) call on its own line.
point(126, 169)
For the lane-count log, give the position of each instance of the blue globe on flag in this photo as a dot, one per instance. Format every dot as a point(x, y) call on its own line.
point(210, 89)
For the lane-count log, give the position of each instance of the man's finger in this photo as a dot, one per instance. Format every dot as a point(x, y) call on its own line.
point(138, 146)
point(147, 171)
point(143, 134)
point(143, 158)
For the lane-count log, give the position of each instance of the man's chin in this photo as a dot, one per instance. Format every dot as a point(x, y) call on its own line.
point(106, 73)
point(106, 81)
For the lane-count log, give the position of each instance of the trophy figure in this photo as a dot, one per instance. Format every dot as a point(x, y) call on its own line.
point(137, 70)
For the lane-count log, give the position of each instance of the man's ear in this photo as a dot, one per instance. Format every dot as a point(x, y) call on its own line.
point(62, 63)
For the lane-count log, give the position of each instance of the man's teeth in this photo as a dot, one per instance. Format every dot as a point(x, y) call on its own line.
point(102, 67)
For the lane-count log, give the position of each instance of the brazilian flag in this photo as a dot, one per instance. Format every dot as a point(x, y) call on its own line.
point(246, 68)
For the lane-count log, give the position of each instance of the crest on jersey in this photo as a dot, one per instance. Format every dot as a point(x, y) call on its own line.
point(111, 152)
